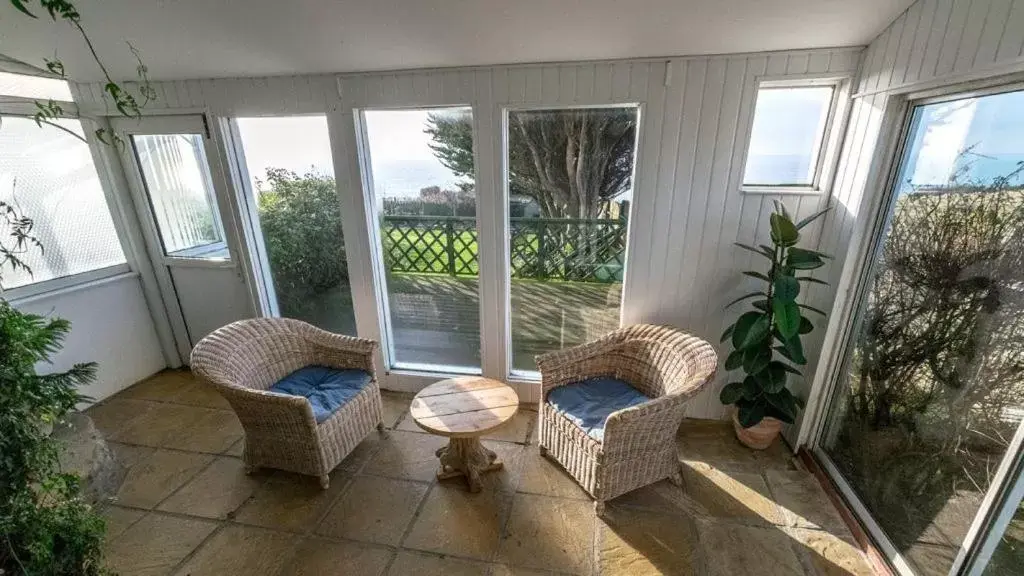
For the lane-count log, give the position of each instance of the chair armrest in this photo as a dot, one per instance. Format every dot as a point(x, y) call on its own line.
point(262, 408)
point(574, 364)
point(637, 427)
point(343, 351)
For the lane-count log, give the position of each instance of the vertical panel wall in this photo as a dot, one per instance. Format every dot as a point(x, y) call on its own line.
point(688, 210)
point(934, 44)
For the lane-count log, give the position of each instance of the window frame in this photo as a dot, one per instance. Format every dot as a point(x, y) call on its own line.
point(16, 106)
point(534, 376)
point(827, 146)
point(195, 253)
point(376, 246)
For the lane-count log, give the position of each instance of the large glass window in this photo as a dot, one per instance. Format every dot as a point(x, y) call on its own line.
point(292, 175)
point(933, 387)
point(570, 184)
point(177, 180)
point(1008, 557)
point(424, 198)
point(48, 175)
point(788, 134)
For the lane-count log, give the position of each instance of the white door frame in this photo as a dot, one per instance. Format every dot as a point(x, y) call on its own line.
point(216, 158)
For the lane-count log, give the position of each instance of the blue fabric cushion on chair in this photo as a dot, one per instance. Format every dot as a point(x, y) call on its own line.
point(326, 388)
point(588, 403)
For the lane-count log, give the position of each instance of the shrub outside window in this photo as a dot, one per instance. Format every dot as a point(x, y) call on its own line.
point(787, 139)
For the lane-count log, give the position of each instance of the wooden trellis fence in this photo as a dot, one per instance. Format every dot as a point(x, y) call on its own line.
point(540, 248)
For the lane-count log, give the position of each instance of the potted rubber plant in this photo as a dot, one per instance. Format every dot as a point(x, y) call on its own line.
point(766, 341)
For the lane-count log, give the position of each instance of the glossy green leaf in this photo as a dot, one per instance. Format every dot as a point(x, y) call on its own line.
point(756, 359)
point(792, 350)
point(781, 208)
point(790, 369)
point(800, 225)
point(751, 328)
point(806, 326)
point(800, 259)
point(784, 232)
point(735, 360)
point(783, 403)
point(731, 393)
point(20, 5)
point(751, 389)
point(761, 305)
point(786, 288)
point(750, 414)
point(757, 275)
point(744, 297)
point(812, 309)
point(787, 318)
point(769, 254)
point(811, 280)
point(773, 377)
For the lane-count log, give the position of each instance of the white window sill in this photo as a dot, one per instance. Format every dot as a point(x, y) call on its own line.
point(787, 190)
point(57, 286)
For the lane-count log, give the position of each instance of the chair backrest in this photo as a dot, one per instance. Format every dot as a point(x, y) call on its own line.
point(253, 353)
point(661, 360)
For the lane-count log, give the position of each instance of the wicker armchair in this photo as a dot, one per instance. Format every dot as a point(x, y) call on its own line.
point(638, 447)
point(245, 358)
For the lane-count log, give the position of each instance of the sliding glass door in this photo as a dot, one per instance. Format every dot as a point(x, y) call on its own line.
point(423, 198)
point(923, 420)
point(569, 174)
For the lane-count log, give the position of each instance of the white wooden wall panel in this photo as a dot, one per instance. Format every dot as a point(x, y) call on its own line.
point(940, 40)
point(688, 210)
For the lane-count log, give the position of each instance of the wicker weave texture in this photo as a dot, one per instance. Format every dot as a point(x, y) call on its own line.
point(245, 358)
point(639, 448)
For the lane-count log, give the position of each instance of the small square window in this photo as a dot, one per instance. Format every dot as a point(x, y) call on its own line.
point(787, 138)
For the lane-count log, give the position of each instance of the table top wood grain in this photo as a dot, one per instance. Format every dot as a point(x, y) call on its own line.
point(465, 407)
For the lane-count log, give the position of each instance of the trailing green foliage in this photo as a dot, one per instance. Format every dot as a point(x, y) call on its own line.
point(46, 527)
point(762, 338)
point(125, 102)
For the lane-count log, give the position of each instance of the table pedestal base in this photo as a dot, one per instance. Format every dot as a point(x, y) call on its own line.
point(466, 457)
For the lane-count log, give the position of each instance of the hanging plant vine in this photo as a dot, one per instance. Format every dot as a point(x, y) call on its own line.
point(126, 103)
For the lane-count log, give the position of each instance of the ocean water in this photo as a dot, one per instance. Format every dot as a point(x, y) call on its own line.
point(776, 169)
point(985, 169)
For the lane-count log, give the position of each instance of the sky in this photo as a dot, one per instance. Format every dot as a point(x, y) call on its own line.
point(992, 126)
point(400, 153)
point(399, 150)
point(297, 143)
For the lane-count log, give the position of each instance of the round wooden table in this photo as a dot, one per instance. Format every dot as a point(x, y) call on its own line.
point(463, 409)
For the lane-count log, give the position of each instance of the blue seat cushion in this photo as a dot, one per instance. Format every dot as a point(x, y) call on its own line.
point(588, 403)
point(326, 388)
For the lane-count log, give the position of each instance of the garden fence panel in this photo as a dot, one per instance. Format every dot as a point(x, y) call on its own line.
point(567, 249)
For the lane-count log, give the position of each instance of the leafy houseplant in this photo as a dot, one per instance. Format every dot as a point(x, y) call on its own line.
point(767, 340)
point(45, 525)
point(46, 528)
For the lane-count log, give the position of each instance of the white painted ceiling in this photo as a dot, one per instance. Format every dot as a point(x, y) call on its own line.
point(222, 38)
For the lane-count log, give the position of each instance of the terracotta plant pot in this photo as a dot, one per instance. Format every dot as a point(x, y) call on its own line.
point(759, 436)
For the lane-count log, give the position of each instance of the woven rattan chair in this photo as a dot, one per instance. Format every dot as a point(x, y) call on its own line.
point(638, 446)
point(245, 358)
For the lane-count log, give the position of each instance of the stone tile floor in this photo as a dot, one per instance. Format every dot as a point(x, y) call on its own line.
point(187, 508)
